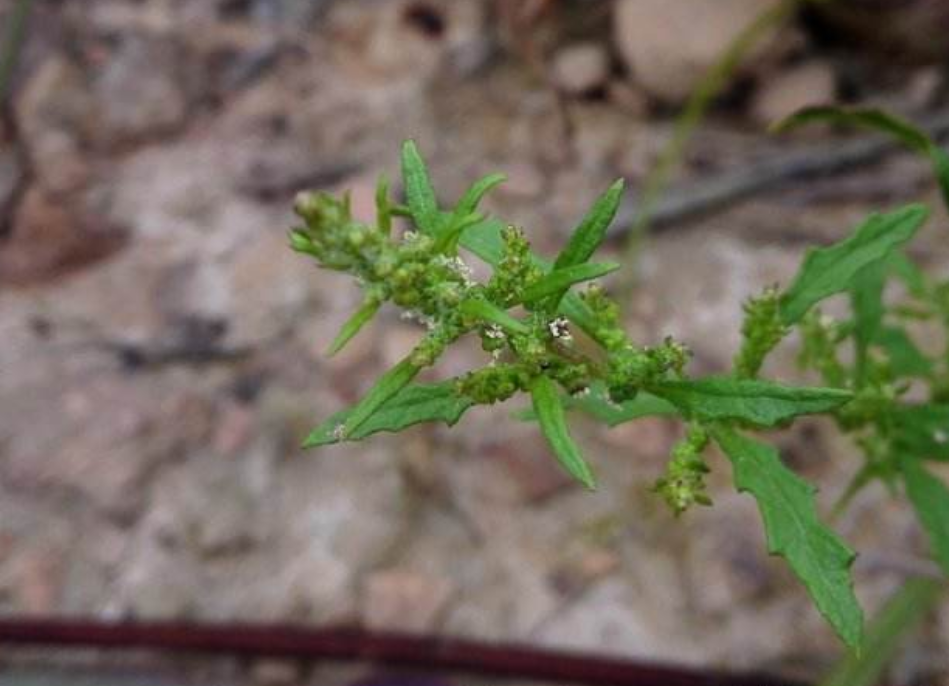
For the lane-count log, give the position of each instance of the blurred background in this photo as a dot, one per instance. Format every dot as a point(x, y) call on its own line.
point(162, 350)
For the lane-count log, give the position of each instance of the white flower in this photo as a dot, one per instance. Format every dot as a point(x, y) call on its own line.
point(560, 329)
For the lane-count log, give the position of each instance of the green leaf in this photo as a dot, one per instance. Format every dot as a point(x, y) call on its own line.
point(597, 404)
point(485, 311)
point(352, 326)
point(886, 634)
point(383, 205)
point(786, 502)
point(553, 424)
point(905, 132)
point(910, 274)
point(866, 300)
point(419, 194)
point(452, 227)
point(905, 358)
point(591, 231)
point(761, 403)
point(930, 499)
point(484, 241)
point(386, 386)
point(922, 431)
point(559, 280)
point(472, 197)
point(831, 270)
point(413, 404)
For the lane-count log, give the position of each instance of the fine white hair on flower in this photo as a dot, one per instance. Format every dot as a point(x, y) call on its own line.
point(494, 331)
point(560, 329)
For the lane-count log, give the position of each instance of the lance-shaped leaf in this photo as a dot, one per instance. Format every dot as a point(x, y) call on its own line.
point(414, 404)
point(553, 424)
point(905, 132)
point(591, 231)
point(761, 403)
point(786, 502)
point(831, 270)
point(485, 311)
point(559, 280)
point(383, 205)
point(597, 404)
point(866, 300)
point(472, 197)
point(386, 386)
point(484, 240)
point(930, 499)
point(419, 193)
point(352, 326)
point(452, 228)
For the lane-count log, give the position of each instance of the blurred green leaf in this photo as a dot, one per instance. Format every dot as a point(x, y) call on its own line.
point(921, 431)
point(905, 358)
point(930, 498)
point(886, 633)
point(905, 132)
point(831, 270)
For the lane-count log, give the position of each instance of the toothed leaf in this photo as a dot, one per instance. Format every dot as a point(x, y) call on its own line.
point(786, 502)
point(831, 270)
point(761, 403)
point(413, 404)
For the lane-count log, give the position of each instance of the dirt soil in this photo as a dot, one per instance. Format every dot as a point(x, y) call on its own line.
point(162, 350)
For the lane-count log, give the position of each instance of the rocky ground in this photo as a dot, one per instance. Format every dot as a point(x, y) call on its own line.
point(162, 350)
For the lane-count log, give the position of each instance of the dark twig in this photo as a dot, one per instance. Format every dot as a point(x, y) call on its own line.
point(345, 644)
point(706, 196)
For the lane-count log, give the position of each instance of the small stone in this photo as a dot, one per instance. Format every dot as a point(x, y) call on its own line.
point(581, 69)
point(271, 672)
point(669, 47)
point(38, 579)
point(141, 90)
point(924, 87)
point(49, 238)
point(632, 100)
point(807, 84)
point(404, 600)
point(234, 430)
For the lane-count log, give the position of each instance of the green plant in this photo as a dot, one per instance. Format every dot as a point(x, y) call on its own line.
point(526, 315)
